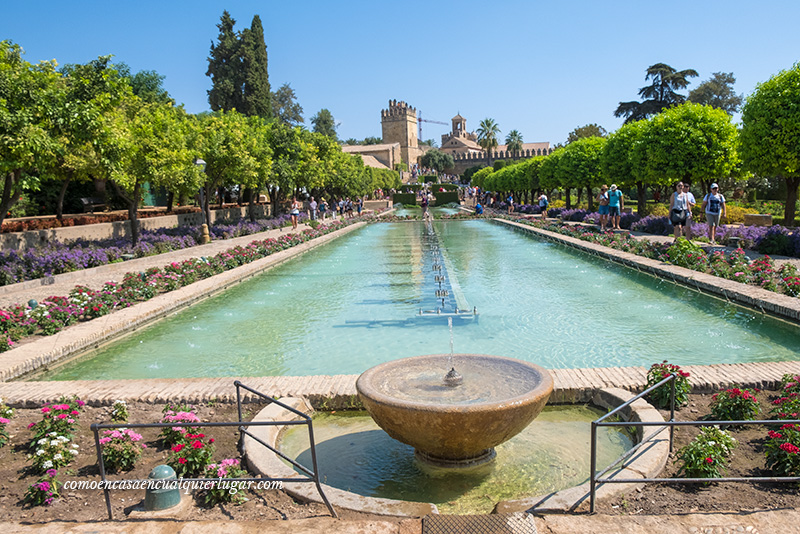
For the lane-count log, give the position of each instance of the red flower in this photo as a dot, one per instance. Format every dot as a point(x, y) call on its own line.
point(197, 444)
point(181, 460)
point(709, 460)
point(178, 447)
point(774, 435)
point(211, 440)
point(788, 447)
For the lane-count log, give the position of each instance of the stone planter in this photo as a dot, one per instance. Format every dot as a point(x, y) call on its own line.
point(757, 219)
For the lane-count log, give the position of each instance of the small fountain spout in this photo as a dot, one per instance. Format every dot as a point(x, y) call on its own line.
point(452, 378)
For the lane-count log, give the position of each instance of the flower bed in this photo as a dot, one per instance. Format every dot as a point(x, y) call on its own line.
point(58, 258)
point(734, 266)
point(83, 304)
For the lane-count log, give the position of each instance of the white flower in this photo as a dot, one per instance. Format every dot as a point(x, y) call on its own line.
point(47, 464)
point(52, 434)
point(55, 443)
point(40, 452)
point(42, 441)
point(74, 445)
point(57, 456)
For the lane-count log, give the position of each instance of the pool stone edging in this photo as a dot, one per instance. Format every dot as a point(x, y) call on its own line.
point(756, 298)
point(92, 334)
point(646, 463)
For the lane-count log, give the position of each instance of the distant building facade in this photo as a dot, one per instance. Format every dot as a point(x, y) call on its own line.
point(399, 127)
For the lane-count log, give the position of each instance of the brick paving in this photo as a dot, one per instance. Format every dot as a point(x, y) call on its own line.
point(94, 278)
point(339, 391)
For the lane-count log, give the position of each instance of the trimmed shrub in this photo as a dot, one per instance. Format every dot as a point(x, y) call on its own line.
point(404, 198)
point(446, 198)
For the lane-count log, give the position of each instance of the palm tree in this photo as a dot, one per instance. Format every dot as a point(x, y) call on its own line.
point(488, 130)
point(514, 141)
point(657, 96)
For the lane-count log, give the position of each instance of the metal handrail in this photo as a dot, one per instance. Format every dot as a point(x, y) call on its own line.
point(312, 475)
point(596, 478)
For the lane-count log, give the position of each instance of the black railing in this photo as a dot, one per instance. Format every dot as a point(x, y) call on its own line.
point(596, 478)
point(312, 475)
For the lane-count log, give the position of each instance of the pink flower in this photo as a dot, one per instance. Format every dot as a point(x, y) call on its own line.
point(4, 421)
point(45, 409)
point(62, 416)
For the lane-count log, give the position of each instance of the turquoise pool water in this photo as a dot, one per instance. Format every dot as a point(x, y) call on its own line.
point(351, 304)
point(551, 454)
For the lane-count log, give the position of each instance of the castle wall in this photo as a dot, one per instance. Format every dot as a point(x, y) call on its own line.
point(471, 159)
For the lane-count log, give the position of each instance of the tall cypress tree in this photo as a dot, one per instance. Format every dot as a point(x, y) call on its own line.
point(225, 68)
point(257, 99)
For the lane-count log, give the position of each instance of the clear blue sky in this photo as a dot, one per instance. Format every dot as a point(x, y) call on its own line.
point(542, 68)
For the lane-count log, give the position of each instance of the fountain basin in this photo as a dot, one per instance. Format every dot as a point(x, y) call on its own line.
point(454, 426)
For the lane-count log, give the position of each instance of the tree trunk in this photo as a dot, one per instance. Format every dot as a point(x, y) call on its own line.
point(170, 200)
point(60, 201)
point(273, 198)
point(590, 197)
point(133, 205)
point(569, 199)
point(792, 183)
point(11, 192)
point(641, 201)
point(133, 209)
point(251, 204)
point(207, 203)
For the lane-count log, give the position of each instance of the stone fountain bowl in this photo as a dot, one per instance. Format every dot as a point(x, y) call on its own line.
point(454, 426)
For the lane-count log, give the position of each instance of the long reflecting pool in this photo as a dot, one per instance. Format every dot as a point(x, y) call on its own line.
point(353, 303)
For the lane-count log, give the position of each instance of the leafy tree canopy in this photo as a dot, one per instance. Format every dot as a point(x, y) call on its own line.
point(488, 131)
point(225, 68)
point(324, 124)
point(256, 95)
point(659, 95)
point(285, 107)
point(514, 141)
point(146, 84)
point(438, 160)
point(589, 130)
point(717, 92)
point(770, 137)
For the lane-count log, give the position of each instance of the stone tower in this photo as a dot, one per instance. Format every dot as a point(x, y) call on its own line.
point(399, 125)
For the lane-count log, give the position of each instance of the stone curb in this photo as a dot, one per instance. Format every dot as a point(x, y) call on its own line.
point(338, 392)
point(92, 334)
point(645, 463)
point(768, 302)
point(261, 461)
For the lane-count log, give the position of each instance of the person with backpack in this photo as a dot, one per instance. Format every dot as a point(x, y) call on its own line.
point(714, 206)
point(616, 204)
point(543, 203)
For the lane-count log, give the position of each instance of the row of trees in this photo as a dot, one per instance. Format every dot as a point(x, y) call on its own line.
point(690, 142)
point(84, 122)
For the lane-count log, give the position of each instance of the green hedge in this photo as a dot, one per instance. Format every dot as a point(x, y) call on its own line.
point(446, 198)
point(429, 178)
point(404, 198)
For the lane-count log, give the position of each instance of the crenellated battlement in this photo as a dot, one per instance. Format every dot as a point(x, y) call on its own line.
point(399, 110)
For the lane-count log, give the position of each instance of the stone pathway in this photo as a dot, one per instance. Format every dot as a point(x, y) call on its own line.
point(764, 522)
point(339, 391)
point(94, 278)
